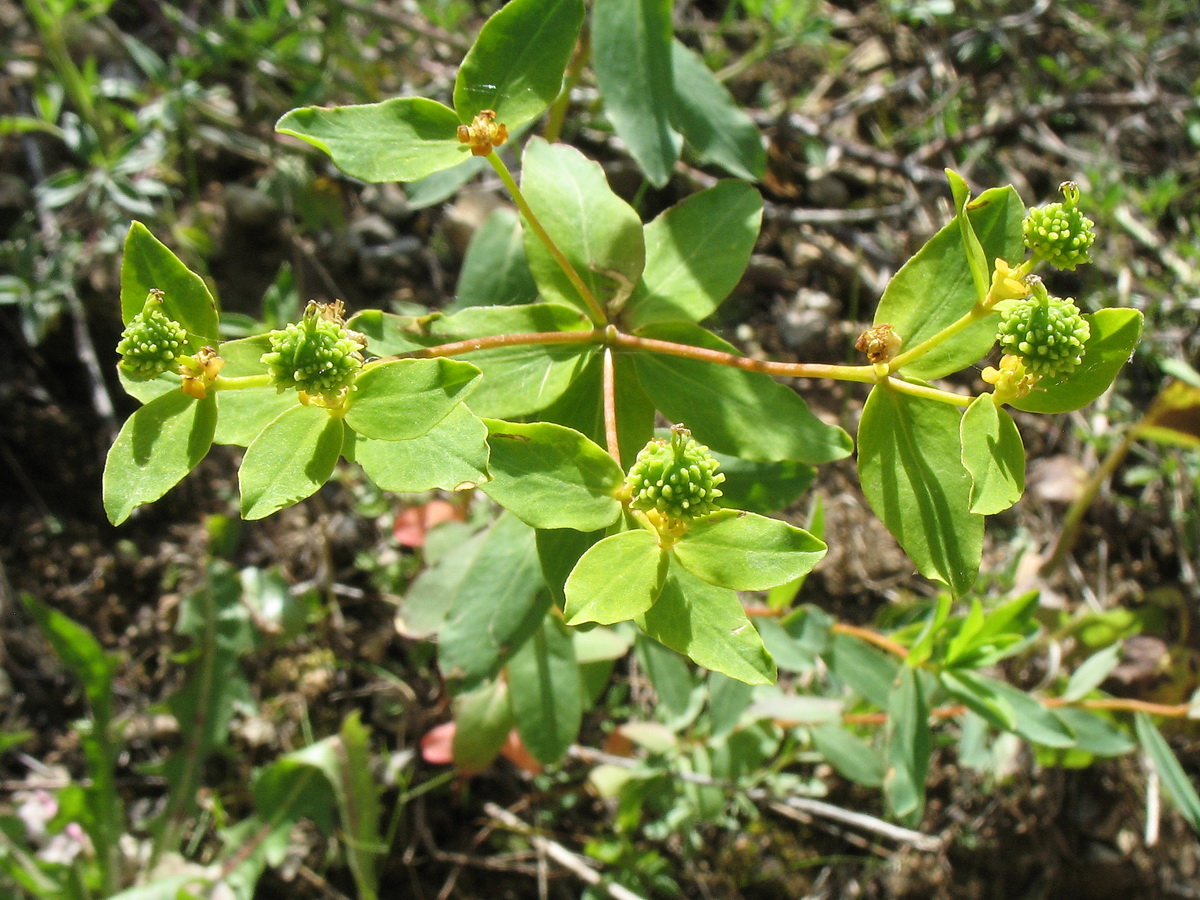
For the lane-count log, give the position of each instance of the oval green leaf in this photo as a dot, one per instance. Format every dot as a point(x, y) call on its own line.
point(452, 456)
point(546, 692)
point(746, 552)
point(993, 454)
point(598, 232)
point(696, 252)
point(404, 398)
point(148, 265)
point(708, 625)
point(550, 476)
point(935, 287)
point(156, 447)
point(289, 460)
point(631, 55)
point(910, 466)
point(618, 578)
point(515, 68)
point(1114, 335)
point(397, 140)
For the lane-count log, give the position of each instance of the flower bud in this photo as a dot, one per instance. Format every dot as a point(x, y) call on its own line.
point(678, 478)
point(1060, 233)
point(1047, 333)
point(151, 342)
point(318, 355)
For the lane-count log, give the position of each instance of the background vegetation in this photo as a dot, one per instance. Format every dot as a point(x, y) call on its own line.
point(165, 113)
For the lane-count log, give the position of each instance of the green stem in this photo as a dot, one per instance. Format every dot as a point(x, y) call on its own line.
point(241, 383)
point(976, 314)
point(610, 406)
point(1073, 519)
point(558, 111)
point(595, 310)
point(929, 393)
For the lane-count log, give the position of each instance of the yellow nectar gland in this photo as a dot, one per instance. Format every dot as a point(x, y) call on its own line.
point(198, 375)
point(1011, 381)
point(1006, 285)
point(483, 133)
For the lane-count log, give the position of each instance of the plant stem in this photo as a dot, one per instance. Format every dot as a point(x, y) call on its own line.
point(491, 341)
point(558, 111)
point(240, 383)
point(595, 310)
point(929, 393)
point(1073, 519)
point(976, 314)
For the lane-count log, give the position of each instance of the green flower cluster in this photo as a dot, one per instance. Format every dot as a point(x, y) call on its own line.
point(1060, 233)
point(1047, 333)
point(678, 478)
point(317, 355)
point(151, 342)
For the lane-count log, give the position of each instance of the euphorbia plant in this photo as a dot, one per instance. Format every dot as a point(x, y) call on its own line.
point(549, 408)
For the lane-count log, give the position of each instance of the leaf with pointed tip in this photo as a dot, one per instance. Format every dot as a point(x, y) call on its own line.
point(910, 466)
point(148, 264)
point(452, 456)
point(402, 139)
point(908, 747)
point(631, 55)
point(714, 126)
point(404, 398)
point(708, 625)
point(550, 476)
point(746, 552)
point(289, 460)
point(696, 252)
point(618, 578)
point(993, 454)
point(598, 232)
point(1114, 335)
point(515, 67)
point(157, 446)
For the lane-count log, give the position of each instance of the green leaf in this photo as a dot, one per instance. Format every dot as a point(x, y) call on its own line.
point(762, 487)
point(853, 757)
point(452, 456)
point(559, 550)
point(866, 671)
point(289, 460)
point(404, 398)
point(402, 139)
point(598, 232)
point(617, 579)
point(908, 747)
point(157, 446)
point(994, 456)
point(516, 64)
point(1025, 715)
point(696, 252)
point(935, 287)
point(422, 611)
point(1178, 786)
point(910, 466)
point(728, 698)
point(552, 477)
point(495, 271)
point(1114, 335)
point(715, 127)
point(483, 719)
point(545, 692)
point(245, 412)
point(517, 380)
point(672, 679)
point(631, 55)
point(746, 552)
point(148, 264)
point(977, 261)
point(1091, 673)
point(708, 625)
point(497, 605)
point(86, 660)
point(441, 186)
point(744, 414)
point(1094, 734)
